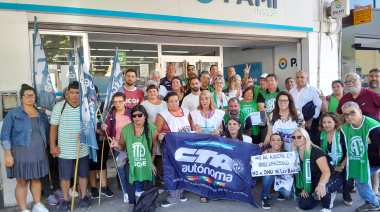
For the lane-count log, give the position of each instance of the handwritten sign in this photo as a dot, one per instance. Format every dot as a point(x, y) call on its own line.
point(274, 164)
point(363, 15)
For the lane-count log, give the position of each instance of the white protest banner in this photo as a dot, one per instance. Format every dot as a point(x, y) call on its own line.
point(274, 164)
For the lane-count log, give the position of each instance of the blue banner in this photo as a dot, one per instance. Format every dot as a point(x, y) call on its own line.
point(42, 80)
point(212, 166)
point(72, 74)
point(115, 85)
point(88, 108)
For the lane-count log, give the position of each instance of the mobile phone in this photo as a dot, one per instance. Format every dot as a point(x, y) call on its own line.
point(315, 195)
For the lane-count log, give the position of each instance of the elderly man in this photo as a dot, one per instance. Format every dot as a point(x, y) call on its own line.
point(262, 86)
point(290, 83)
point(305, 98)
point(368, 100)
point(361, 135)
point(155, 76)
point(170, 72)
point(234, 110)
point(374, 80)
point(266, 99)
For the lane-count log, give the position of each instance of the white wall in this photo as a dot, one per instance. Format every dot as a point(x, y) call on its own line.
point(287, 52)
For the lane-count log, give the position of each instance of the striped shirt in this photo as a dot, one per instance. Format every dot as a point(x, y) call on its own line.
point(68, 130)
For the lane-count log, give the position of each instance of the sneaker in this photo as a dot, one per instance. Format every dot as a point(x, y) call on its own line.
point(183, 198)
point(280, 197)
point(265, 203)
point(348, 203)
point(71, 192)
point(85, 203)
point(126, 199)
point(39, 208)
point(106, 191)
point(59, 193)
point(52, 200)
point(325, 210)
point(138, 193)
point(160, 191)
point(368, 207)
point(94, 193)
point(166, 204)
point(65, 206)
point(26, 210)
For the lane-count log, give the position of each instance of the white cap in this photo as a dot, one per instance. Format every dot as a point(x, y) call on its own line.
point(264, 75)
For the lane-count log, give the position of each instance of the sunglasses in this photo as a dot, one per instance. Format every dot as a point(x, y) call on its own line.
point(296, 137)
point(137, 115)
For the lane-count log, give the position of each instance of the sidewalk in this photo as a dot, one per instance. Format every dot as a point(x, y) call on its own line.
point(116, 203)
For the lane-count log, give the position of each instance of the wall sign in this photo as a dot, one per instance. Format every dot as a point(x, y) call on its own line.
point(340, 9)
point(363, 15)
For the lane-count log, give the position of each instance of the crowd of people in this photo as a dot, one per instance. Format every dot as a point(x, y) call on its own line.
point(335, 136)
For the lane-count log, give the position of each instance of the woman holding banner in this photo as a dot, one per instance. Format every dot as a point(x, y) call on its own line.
point(249, 104)
point(285, 118)
point(117, 118)
point(139, 140)
point(24, 137)
point(313, 174)
point(234, 130)
point(174, 119)
point(207, 119)
point(282, 183)
point(332, 143)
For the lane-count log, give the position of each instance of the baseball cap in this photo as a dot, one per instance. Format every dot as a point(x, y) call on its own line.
point(264, 75)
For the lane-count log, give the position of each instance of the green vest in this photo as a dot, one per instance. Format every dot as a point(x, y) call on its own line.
point(378, 91)
point(140, 161)
point(270, 100)
point(333, 104)
point(251, 107)
point(357, 146)
point(256, 91)
point(243, 115)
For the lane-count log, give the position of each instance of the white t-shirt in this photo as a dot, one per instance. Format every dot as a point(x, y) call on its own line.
point(190, 102)
point(152, 109)
point(208, 124)
point(161, 92)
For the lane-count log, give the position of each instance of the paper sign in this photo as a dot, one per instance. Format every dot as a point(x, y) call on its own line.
point(257, 117)
point(274, 164)
point(122, 57)
point(144, 70)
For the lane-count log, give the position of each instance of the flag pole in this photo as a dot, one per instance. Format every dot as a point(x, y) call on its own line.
point(75, 177)
point(101, 172)
point(50, 180)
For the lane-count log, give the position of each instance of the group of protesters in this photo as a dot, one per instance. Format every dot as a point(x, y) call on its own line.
point(335, 136)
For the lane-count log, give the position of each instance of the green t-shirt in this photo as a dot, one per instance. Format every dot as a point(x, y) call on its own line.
point(378, 91)
point(140, 162)
point(243, 115)
point(256, 90)
point(333, 104)
point(270, 100)
point(251, 107)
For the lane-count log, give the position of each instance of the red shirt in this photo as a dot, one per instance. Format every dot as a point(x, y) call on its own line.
point(133, 97)
point(368, 101)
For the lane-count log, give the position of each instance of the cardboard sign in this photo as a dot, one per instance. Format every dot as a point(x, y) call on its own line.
point(274, 164)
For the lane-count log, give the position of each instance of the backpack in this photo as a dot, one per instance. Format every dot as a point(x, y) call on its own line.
point(147, 201)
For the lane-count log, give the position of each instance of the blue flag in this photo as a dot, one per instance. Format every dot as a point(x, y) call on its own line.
point(42, 80)
point(72, 74)
point(212, 166)
point(115, 85)
point(88, 108)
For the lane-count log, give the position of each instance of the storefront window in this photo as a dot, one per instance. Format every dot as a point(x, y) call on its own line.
point(190, 50)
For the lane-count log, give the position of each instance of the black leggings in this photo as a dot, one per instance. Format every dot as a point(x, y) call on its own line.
point(310, 202)
point(131, 189)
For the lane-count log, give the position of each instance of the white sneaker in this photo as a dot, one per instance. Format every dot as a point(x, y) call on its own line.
point(39, 207)
point(71, 192)
point(26, 210)
point(138, 193)
point(160, 191)
point(325, 210)
point(126, 199)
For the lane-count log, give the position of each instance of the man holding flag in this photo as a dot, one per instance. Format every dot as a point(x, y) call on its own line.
point(66, 120)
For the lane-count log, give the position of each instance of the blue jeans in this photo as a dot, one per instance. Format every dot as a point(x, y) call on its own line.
point(365, 191)
point(267, 182)
point(139, 186)
point(121, 173)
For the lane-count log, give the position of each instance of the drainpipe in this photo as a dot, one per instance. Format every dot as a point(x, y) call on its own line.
point(319, 43)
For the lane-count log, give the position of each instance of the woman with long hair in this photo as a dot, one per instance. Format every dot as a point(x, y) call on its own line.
point(207, 119)
point(330, 102)
point(221, 100)
point(313, 174)
point(173, 119)
point(235, 131)
point(282, 183)
point(137, 137)
point(24, 138)
point(234, 86)
point(178, 89)
point(249, 104)
point(285, 118)
point(118, 117)
point(331, 141)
